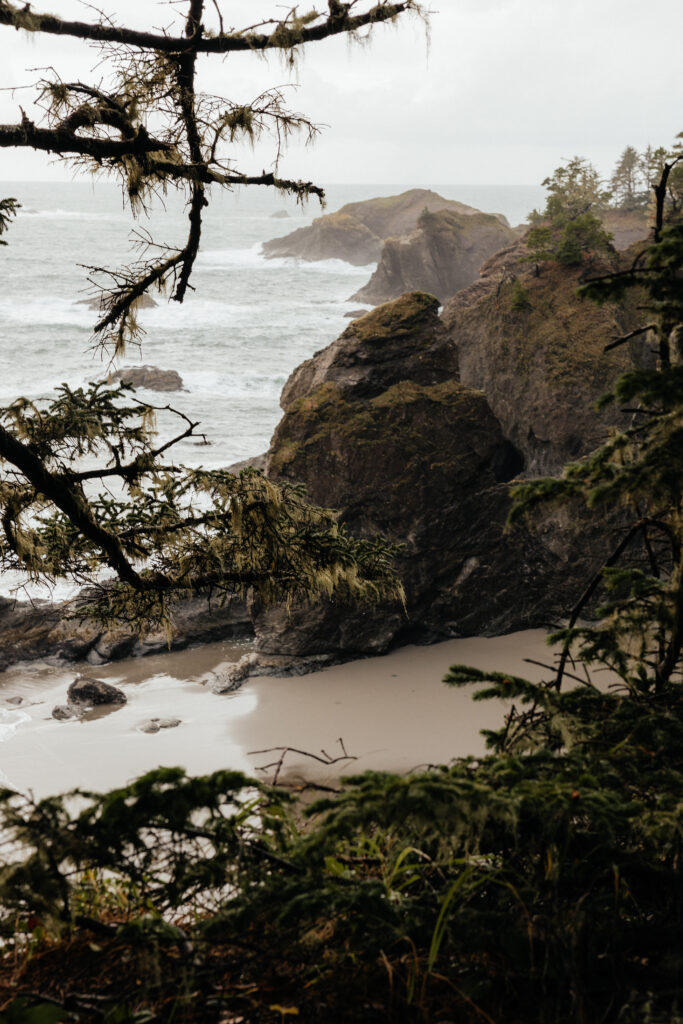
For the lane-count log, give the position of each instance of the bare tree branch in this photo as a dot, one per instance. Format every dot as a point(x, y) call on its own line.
point(283, 36)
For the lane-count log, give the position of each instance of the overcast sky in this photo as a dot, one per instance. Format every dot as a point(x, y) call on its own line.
point(506, 90)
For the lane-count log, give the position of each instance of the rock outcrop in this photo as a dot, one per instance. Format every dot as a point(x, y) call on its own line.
point(423, 462)
point(150, 377)
point(335, 236)
point(403, 340)
point(626, 226)
point(355, 232)
point(442, 255)
point(42, 630)
point(537, 352)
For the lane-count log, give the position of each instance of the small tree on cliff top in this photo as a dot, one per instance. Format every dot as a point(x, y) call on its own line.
point(629, 189)
point(145, 122)
point(569, 225)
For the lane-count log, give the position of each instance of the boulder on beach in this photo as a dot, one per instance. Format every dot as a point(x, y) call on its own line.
point(153, 725)
point(93, 692)
point(442, 255)
point(233, 675)
point(150, 377)
point(86, 693)
point(63, 712)
point(355, 233)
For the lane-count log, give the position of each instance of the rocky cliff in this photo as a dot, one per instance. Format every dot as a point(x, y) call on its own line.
point(442, 255)
point(537, 352)
point(355, 232)
point(425, 463)
point(626, 226)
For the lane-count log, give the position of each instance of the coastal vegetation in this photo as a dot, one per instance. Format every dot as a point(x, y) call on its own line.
point(538, 884)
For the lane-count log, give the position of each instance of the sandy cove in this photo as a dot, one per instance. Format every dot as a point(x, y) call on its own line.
point(392, 713)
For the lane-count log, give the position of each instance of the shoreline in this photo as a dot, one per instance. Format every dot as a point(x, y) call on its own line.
point(391, 712)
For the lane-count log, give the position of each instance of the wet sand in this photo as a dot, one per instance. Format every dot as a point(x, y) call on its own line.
point(392, 713)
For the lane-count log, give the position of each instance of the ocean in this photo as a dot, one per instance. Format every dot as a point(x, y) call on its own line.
point(242, 330)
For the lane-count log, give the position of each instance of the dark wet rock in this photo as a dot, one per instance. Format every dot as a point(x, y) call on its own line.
point(442, 255)
point(403, 448)
point(355, 313)
point(150, 377)
point(14, 700)
point(355, 232)
point(402, 340)
point(92, 692)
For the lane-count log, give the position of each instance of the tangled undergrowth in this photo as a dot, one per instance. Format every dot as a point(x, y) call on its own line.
point(535, 885)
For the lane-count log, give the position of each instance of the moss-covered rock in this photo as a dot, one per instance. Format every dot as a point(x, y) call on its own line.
point(420, 465)
point(536, 350)
point(442, 255)
point(379, 426)
point(402, 340)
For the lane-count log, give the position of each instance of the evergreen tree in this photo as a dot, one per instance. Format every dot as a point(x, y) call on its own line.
point(569, 227)
point(629, 190)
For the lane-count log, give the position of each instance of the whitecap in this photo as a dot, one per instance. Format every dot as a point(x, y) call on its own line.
point(10, 720)
point(224, 258)
point(59, 214)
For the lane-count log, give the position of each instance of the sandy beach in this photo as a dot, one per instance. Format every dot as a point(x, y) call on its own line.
point(391, 713)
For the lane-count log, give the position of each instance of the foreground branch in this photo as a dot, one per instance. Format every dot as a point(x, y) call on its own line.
point(283, 37)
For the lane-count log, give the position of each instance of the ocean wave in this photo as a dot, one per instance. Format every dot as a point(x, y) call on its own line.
point(223, 258)
point(52, 310)
point(10, 720)
point(59, 214)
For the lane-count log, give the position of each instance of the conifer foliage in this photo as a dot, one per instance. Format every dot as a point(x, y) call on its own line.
point(569, 226)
